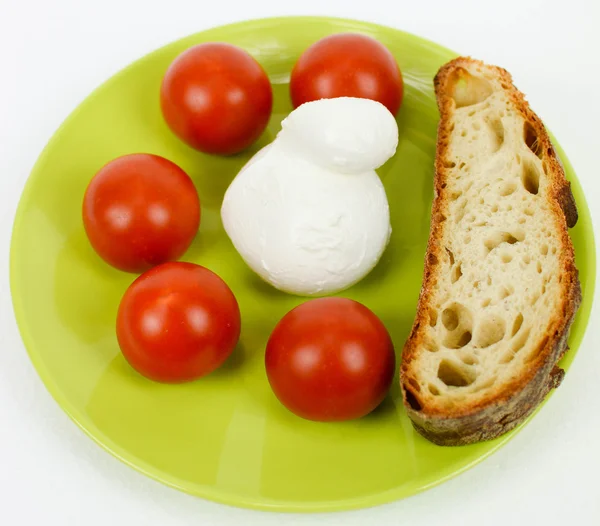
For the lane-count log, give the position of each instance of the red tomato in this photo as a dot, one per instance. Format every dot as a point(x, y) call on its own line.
point(140, 210)
point(347, 65)
point(330, 359)
point(216, 98)
point(178, 322)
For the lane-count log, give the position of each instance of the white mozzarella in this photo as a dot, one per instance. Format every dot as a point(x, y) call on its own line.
point(310, 216)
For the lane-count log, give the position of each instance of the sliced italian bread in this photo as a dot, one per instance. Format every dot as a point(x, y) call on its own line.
point(500, 286)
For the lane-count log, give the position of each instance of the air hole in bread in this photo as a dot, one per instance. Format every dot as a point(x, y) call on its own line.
point(522, 220)
point(433, 260)
point(430, 345)
point(412, 400)
point(433, 317)
point(544, 249)
point(467, 89)
point(469, 359)
point(433, 390)
point(489, 331)
point(476, 126)
point(463, 133)
point(518, 234)
point(455, 375)
point(497, 133)
point(527, 259)
point(494, 208)
point(518, 158)
point(528, 212)
point(486, 302)
point(488, 280)
point(457, 339)
point(449, 164)
point(456, 273)
point(462, 165)
point(506, 258)
point(450, 319)
point(520, 340)
point(553, 250)
point(500, 237)
point(534, 299)
point(531, 139)
point(450, 256)
point(539, 267)
point(414, 384)
point(517, 324)
point(508, 189)
point(458, 321)
point(467, 240)
point(504, 292)
point(530, 178)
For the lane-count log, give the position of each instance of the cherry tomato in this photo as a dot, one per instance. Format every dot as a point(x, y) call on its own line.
point(216, 98)
point(140, 210)
point(177, 322)
point(330, 359)
point(347, 65)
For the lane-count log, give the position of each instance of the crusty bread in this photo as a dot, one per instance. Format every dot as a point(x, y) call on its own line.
point(500, 285)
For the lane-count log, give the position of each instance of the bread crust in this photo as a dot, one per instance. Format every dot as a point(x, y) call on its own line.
point(511, 403)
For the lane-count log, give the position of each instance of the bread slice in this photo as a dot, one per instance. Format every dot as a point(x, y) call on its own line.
point(500, 286)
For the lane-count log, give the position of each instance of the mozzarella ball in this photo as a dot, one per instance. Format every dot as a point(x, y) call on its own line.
point(309, 213)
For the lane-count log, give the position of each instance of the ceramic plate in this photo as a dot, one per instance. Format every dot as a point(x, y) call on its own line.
point(226, 437)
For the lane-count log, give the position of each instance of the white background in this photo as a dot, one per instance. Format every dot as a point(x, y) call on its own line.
point(54, 52)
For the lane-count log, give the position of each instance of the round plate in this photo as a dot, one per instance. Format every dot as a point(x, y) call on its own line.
point(226, 437)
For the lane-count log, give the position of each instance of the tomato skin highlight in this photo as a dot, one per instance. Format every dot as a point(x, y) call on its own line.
point(178, 322)
point(330, 359)
point(347, 65)
point(140, 210)
point(216, 98)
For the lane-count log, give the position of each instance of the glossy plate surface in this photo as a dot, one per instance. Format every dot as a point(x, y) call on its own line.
point(226, 437)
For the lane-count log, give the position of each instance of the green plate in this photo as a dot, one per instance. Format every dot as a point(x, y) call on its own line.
point(226, 437)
